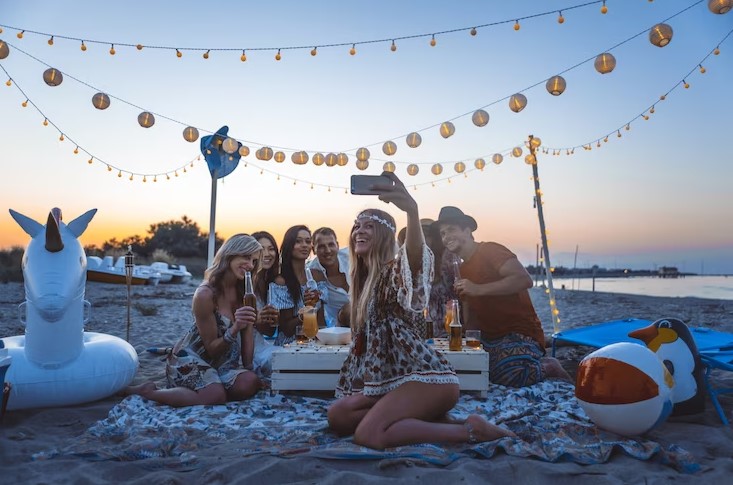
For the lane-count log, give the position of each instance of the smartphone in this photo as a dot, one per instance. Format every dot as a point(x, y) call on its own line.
point(362, 184)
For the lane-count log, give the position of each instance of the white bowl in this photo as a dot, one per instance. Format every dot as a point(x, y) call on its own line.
point(334, 336)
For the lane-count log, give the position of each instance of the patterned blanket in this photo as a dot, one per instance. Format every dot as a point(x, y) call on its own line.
point(546, 417)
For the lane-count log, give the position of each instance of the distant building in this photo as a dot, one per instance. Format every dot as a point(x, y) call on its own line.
point(668, 272)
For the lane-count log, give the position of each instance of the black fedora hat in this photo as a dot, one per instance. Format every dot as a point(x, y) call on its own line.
point(454, 215)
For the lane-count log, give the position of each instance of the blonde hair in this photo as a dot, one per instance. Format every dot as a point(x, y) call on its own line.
point(237, 245)
point(365, 269)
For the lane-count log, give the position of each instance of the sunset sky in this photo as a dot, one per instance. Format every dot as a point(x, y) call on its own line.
point(658, 195)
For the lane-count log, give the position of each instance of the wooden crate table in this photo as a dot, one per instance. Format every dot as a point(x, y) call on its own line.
point(303, 368)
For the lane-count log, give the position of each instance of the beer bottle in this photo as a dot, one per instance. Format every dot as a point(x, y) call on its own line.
point(428, 323)
point(249, 295)
point(455, 337)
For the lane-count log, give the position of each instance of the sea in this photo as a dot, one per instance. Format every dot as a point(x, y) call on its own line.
point(716, 287)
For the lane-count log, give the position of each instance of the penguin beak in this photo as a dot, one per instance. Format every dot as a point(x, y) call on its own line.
point(654, 337)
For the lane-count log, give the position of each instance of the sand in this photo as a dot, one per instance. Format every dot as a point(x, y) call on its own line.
point(28, 432)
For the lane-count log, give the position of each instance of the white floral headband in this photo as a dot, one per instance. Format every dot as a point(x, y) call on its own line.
point(375, 217)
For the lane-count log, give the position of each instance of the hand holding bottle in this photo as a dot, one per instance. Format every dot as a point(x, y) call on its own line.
point(269, 315)
point(244, 317)
point(311, 296)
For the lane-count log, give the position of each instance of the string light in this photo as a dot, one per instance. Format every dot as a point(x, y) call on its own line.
point(83, 46)
point(471, 29)
point(112, 50)
point(243, 57)
point(50, 40)
point(352, 51)
point(278, 56)
point(206, 55)
point(618, 132)
point(604, 9)
point(314, 51)
point(432, 35)
point(393, 47)
point(560, 18)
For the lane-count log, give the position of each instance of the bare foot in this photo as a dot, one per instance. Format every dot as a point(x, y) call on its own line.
point(481, 430)
point(143, 389)
point(553, 369)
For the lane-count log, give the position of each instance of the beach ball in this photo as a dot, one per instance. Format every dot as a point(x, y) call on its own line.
point(624, 388)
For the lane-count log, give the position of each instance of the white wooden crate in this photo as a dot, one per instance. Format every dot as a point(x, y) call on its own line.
point(302, 368)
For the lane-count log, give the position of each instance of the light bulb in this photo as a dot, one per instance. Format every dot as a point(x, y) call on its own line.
point(560, 18)
point(314, 51)
point(112, 50)
point(433, 42)
point(278, 56)
point(243, 57)
point(352, 51)
point(473, 31)
point(83, 46)
point(393, 47)
point(179, 54)
point(516, 25)
point(206, 55)
point(50, 41)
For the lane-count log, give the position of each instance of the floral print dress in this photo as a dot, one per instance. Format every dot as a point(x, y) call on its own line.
point(388, 350)
point(189, 365)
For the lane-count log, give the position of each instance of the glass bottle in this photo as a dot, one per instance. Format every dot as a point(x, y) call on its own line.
point(455, 336)
point(448, 315)
point(250, 299)
point(428, 323)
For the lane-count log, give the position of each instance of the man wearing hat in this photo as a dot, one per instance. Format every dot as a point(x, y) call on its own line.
point(493, 292)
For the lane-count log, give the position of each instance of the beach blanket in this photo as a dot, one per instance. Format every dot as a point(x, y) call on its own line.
point(546, 417)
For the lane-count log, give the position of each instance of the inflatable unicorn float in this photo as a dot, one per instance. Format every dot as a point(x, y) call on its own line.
point(57, 363)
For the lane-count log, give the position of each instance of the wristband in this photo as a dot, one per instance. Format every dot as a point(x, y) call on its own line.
point(228, 337)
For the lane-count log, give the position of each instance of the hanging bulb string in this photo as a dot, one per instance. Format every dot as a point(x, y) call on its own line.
point(681, 82)
point(114, 167)
point(162, 116)
point(370, 145)
point(80, 148)
point(309, 46)
point(538, 83)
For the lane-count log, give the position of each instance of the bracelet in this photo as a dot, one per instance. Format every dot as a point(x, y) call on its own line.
point(228, 337)
point(471, 437)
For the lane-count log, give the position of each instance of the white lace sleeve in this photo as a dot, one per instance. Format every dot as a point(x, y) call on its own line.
point(413, 295)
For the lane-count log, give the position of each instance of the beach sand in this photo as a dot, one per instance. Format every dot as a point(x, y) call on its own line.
point(27, 432)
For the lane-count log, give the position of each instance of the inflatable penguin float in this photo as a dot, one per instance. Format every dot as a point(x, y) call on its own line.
point(672, 341)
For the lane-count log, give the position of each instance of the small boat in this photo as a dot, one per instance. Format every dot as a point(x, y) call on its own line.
point(171, 273)
point(103, 270)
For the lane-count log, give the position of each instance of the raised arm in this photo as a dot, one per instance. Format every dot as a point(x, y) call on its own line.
point(399, 196)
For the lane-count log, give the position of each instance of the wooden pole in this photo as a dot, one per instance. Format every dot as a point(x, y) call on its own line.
point(212, 222)
point(543, 233)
